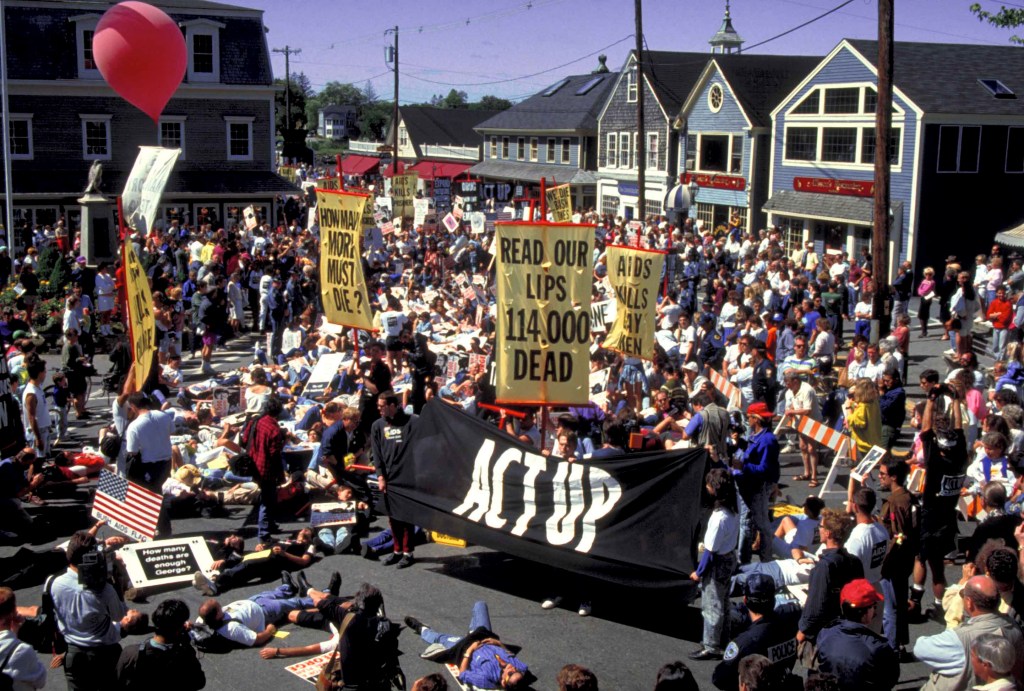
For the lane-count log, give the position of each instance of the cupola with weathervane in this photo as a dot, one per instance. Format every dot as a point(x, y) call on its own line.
point(726, 40)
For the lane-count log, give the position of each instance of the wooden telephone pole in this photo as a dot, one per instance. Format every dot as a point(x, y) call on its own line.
point(288, 51)
point(641, 135)
point(883, 125)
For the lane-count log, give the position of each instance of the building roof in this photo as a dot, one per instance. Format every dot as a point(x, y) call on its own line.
point(943, 77)
point(533, 172)
point(858, 210)
point(671, 75)
point(444, 126)
point(759, 82)
point(571, 107)
point(338, 109)
point(198, 5)
point(726, 36)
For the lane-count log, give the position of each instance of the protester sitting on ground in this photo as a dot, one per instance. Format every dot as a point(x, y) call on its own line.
point(795, 535)
point(993, 659)
point(484, 660)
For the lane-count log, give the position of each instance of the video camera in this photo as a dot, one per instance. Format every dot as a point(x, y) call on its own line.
point(93, 572)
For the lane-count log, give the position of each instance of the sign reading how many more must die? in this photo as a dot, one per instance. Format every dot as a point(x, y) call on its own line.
point(543, 321)
point(342, 286)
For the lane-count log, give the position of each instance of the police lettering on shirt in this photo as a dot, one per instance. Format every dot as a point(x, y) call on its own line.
point(574, 513)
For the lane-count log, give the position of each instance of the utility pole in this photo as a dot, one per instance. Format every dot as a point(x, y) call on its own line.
point(641, 135)
point(394, 116)
point(883, 124)
point(288, 51)
point(8, 184)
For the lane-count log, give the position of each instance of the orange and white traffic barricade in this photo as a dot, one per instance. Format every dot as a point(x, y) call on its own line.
point(728, 389)
point(829, 438)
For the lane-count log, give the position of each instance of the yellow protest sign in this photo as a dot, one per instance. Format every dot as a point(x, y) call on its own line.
point(342, 286)
point(560, 203)
point(403, 192)
point(140, 314)
point(329, 183)
point(543, 332)
point(635, 275)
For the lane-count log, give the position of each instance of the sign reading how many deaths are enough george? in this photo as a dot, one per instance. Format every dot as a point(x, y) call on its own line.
point(342, 286)
point(635, 275)
point(560, 203)
point(140, 313)
point(403, 193)
point(543, 331)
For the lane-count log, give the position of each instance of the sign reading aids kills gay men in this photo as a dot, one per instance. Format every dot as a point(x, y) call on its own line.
point(403, 193)
point(635, 274)
point(342, 286)
point(543, 321)
point(140, 311)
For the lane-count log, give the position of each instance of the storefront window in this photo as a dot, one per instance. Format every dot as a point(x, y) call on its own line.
point(610, 205)
point(652, 207)
point(706, 215)
point(792, 233)
point(714, 152)
point(741, 212)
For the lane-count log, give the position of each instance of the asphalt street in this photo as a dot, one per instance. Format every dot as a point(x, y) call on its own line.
point(631, 633)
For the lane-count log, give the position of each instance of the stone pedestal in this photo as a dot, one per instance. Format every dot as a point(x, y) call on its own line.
point(99, 231)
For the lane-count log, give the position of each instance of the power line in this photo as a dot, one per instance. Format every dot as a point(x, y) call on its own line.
point(525, 76)
point(800, 26)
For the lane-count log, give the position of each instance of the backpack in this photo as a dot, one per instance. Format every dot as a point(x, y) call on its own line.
point(384, 657)
point(209, 641)
point(41, 631)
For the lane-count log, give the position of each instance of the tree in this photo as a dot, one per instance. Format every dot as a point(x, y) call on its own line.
point(454, 99)
point(299, 90)
point(373, 120)
point(491, 103)
point(1005, 18)
point(369, 93)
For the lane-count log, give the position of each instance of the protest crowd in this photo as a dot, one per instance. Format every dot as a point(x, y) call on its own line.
point(760, 352)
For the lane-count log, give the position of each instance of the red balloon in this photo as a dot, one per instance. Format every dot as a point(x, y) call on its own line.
point(141, 53)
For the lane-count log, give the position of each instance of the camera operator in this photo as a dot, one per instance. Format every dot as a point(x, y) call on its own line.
point(90, 616)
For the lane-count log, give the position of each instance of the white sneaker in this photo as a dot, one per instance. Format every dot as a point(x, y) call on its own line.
point(584, 610)
point(790, 448)
point(203, 584)
point(551, 602)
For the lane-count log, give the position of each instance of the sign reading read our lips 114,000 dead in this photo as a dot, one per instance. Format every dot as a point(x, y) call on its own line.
point(543, 321)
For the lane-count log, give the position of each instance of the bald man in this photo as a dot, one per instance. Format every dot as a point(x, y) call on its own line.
point(948, 653)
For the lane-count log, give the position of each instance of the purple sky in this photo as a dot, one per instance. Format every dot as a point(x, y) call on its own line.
point(344, 41)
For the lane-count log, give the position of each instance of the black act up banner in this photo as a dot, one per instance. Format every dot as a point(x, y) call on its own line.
point(633, 519)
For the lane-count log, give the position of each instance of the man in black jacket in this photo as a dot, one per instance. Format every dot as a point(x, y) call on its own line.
point(167, 661)
point(836, 567)
point(388, 436)
point(859, 658)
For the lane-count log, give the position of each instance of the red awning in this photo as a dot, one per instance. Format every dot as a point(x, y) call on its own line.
point(429, 170)
point(355, 164)
point(390, 169)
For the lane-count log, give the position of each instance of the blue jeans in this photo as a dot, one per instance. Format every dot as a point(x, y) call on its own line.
point(862, 327)
point(889, 627)
point(998, 342)
point(332, 536)
point(278, 602)
point(754, 517)
point(714, 600)
point(766, 568)
point(265, 526)
point(481, 618)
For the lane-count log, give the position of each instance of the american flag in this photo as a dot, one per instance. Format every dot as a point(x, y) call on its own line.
point(333, 513)
point(134, 507)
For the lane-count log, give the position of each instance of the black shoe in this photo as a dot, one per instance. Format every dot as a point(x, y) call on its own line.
point(415, 624)
point(334, 587)
point(705, 654)
point(936, 614)
point(286, 579)
point(367, 552)
point(405, 562)
point(914, 614)
point(392, 558)
point(304, 586)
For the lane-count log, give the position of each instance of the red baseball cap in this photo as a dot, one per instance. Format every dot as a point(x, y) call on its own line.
point(760, 410)
point(859, 593)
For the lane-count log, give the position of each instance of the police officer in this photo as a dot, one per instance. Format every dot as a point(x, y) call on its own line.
point(771, 633)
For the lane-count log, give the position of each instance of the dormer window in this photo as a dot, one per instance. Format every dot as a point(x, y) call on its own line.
point(997, 88)
point(85, 29)
point(202, 41)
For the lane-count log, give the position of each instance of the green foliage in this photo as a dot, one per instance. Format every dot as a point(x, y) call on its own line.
point(59, 278)
point(299, 91)
point(1005, 18)
point(454, 99)
point(491, 103)
point(373, 120)
point(48, 316)
point(48, 258)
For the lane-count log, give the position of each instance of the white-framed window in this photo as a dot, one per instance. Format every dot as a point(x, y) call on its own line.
point(549, 153)
point(504, 147)
point(96, 137)
point(172, 133)
point(741, 213)
point(959, 149)
point(840, 100)
point(706, 215)
point(652, 207)
point(566, 150)
point(85, 29)
point(716, 97)
point(847, 145)
point(631, 86)
point(792, 233)
point(633, 152)
point(624, 149)
point(533, 149)
point(494, 147)
point(718, 153)
point(521, 149)
point(610, 204)
point(691, 152)
point(20, 130)
point(1015, 150)
point(202, 41)
point(652, 151)
point(239, 137)
point(403, 136)
point(612, 150)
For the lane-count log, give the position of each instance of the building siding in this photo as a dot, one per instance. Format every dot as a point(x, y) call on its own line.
point(845, 67)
